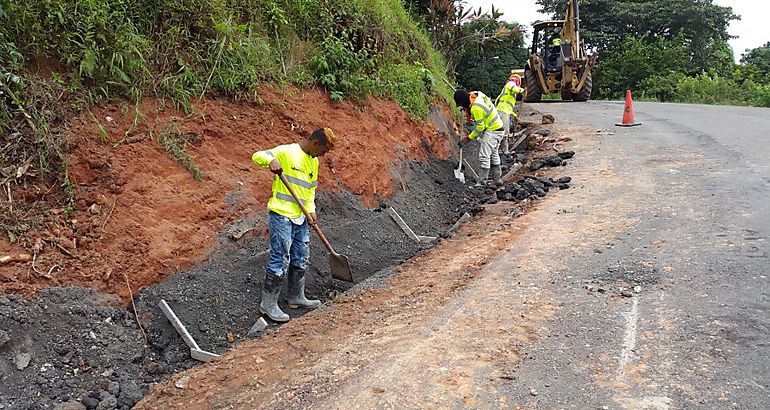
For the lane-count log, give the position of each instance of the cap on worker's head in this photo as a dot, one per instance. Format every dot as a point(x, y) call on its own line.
point(325, 136)
point(462, 99)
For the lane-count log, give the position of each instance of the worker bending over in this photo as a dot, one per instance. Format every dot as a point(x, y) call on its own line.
point(487, 126)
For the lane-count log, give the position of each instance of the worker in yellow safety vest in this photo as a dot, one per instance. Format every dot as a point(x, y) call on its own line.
point(554, 47)
point(487, 126)
point(287, 225)
point(506, 102)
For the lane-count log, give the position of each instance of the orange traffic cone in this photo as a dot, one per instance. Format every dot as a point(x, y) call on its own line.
point(628, 113)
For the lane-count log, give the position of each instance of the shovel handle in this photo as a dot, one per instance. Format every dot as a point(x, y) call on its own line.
point(304, 211)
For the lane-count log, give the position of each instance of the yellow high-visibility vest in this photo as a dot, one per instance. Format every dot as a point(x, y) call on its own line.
point(506, 101)
point(300, 169)
point(483, 115)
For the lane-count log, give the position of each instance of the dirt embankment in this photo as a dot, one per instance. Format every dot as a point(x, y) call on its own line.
point(141, 214)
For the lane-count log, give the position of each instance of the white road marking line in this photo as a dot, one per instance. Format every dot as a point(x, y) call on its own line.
point(629, 339)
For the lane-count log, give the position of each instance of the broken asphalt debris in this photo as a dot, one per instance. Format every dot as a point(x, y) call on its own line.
point(531, 186)
point(551, 161)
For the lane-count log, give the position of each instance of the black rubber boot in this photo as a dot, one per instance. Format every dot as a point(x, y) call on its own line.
point(483, 175)
point(497, 174)
point(269, 305)
point(297, 297)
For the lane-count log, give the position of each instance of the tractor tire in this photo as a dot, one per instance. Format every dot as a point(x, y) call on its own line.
point(533, 92)
point(584, 93)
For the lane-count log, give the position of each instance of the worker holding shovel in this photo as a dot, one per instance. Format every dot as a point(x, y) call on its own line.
point(288, 226)
point(487, 126)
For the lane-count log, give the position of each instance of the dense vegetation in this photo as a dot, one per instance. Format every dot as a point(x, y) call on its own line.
point(61, 56)
point(669, 50)
point(182, 49)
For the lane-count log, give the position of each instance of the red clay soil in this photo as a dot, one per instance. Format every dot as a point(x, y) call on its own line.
point(140, 216)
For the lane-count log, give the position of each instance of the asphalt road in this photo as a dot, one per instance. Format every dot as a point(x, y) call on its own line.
point(644, 286)
point(693, 185)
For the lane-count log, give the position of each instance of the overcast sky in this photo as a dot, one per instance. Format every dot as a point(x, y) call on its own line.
point(753, 30)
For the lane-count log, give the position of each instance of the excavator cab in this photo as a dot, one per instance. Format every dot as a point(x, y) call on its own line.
point(558, 61)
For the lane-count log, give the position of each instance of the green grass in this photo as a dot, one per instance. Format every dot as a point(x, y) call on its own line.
point(175, 144)
point(182, 49)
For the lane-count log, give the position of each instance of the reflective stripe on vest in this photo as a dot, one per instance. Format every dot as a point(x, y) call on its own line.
point(302, 183)
point(289, 198)
point(490, 121)
point(507, 98)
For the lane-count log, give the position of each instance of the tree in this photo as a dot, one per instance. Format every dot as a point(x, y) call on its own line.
point(636, 62)
point(449, 24)
point(759, 58)
point(486, 68)
point(606, 23)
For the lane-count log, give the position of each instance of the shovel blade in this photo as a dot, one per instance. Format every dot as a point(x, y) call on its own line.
point(340, 267)
point(460, 176)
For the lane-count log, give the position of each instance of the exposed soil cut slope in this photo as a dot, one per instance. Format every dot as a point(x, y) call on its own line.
point(140, 213)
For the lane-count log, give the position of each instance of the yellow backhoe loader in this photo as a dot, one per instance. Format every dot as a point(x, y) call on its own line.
point(558, 62)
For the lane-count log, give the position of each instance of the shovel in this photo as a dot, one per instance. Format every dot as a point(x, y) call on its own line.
point(339, 264)
point(459, 171)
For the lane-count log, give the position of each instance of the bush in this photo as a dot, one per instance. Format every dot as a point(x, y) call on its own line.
point(183, 48)
point(410, 86)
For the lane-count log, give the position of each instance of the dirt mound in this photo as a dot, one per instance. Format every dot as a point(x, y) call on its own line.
point(140, 213)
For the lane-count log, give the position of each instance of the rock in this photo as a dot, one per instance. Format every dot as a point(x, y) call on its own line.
point(563, 186)
point(548, 119)
point(536, 164)
point(113, 388)
point(182, 382)
point(154, 368)
point(552, 161)
point(564, 180)
point(626, 293)
point(534, 392)
point(90, 403)
point(637, 289)
point(107, 402)
point(544, 132)
point(70, 405)
point(130, 394)
point(566, 154)
point(94, 209)
point(258, 328)
point(4, 338)
point(22, 360)
point(522, 194)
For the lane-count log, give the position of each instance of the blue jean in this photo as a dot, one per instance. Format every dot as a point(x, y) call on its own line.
point(289, 245)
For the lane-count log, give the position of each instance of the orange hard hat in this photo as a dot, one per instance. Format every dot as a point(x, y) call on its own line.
point(515, 78)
